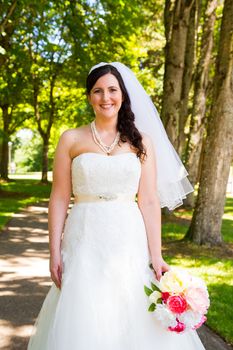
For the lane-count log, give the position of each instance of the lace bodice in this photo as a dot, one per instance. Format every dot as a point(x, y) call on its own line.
point(95, 173)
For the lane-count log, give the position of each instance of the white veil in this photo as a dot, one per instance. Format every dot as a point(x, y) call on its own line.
point(172, 182)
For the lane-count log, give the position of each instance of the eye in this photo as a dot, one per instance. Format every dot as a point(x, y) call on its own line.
point(96, 91)
point(113, 89)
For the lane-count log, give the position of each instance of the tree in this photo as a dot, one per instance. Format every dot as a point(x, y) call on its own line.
point(177, 16)
point(218, 152)
point(6, 28)
point(201, 80)
point(187, 77)
point(13, 82)
point(103, 30)
point(46, 53)
point(84, 35)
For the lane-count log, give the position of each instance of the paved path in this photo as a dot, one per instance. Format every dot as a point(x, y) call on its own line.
point(24, 255)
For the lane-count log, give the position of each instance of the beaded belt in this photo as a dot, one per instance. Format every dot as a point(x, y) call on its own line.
point(124, 197)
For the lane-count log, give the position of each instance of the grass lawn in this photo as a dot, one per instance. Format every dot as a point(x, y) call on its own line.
point(215, 265)
point(19, 192)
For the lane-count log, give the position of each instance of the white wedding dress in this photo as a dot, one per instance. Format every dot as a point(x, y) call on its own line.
point(102, 304)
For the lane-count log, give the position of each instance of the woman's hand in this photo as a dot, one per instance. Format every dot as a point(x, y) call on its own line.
point(56, 269)
point(159, 266)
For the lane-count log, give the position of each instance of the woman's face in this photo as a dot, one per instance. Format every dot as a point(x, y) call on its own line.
point(106, 96)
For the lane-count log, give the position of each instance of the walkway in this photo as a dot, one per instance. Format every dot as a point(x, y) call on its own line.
point(24, 255)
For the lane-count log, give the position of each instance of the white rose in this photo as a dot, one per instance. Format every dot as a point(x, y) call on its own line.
point(163, 314)
point(155, 296)
point(174, 281)
point(190, 318)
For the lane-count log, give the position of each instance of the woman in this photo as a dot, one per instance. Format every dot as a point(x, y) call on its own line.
point(99, 268)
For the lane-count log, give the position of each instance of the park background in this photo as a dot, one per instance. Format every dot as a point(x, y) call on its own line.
point(182, 53)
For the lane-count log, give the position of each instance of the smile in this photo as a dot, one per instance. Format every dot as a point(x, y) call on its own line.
point(107, 106)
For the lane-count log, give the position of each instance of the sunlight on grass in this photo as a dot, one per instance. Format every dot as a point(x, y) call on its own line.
point(30, 176)
point(228, 209)
point(212, 270)
point(184, 214)
point(172, 231)
point(18, 194)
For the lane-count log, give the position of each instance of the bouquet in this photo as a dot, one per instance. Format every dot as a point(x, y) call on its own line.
point(179, 300)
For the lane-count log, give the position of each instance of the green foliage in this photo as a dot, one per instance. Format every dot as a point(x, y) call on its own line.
point(154, 287)
point(32, 147)
point(148, 291)
point(57, 43)
point(152, 307)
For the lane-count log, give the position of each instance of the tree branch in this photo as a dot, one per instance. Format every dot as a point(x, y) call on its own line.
point(8, 15)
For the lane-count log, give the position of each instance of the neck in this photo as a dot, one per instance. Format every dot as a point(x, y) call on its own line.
point(108, 125)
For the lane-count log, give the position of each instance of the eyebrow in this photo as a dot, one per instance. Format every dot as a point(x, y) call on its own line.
point(109, 87)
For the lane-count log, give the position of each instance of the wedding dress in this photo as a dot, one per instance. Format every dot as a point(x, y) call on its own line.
point(102, 304)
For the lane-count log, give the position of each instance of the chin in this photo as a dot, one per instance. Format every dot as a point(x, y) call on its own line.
point(108, 115)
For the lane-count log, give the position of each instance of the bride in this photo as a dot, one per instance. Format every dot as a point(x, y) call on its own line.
point(121, 169)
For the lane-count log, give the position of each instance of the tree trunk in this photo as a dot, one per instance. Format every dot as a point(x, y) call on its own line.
point(201, 79)
point(218, 153)
point(46, 135)
point(4, 159)
point(5, 148)
point(187, 78)
point(43, 134)
point(44, 177)
point(168, 19)
point(174, 69)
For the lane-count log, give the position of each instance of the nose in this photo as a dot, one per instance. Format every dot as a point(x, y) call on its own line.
point(105, 96)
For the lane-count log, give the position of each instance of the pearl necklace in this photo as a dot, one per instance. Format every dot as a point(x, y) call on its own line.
point(99, 142)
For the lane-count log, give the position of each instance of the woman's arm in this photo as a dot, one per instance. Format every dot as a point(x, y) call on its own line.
point(149, 205)
point(58, 204)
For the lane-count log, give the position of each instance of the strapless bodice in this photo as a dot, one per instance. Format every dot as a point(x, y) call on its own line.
point(96, 173)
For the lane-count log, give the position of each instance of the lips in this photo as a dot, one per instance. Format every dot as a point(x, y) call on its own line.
point(107, 106)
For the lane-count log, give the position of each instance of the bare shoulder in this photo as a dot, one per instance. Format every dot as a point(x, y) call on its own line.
point(70, 140)
point(75, 132)
point(71, 136)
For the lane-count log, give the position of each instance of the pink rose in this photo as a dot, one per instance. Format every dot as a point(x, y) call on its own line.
point(198, 299)
point(203, 319)
point(176, 304)
point(165, 296)
point(180, 327)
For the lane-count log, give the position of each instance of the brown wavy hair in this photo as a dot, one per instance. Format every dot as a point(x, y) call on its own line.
point(125, 124)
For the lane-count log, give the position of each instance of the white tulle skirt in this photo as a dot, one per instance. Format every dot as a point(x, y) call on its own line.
point(102, 304)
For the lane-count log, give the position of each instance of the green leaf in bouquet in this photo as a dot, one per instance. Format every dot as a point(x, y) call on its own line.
point(154, 287)
point(147, 290)
point(152, 307)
